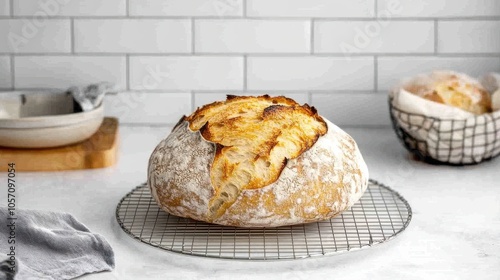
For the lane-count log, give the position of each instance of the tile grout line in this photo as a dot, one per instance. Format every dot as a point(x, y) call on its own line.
point(376, 9)
point(375, 73)
point(11, 8)
point(312, 35)
point(245, 73)
point(73, 39)
point(436, 37)
point(193, 35)
point(127, 71)
point(12, 72)
point(270, 91)
point(127, 8)
point(237, 92)
point(276, 18)
point(263, 55)
point(192, 101)
point(244, 8)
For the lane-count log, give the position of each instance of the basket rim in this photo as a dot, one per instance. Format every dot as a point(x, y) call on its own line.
point(493, 115)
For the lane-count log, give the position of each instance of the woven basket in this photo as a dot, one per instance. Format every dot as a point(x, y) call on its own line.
point(445, 141)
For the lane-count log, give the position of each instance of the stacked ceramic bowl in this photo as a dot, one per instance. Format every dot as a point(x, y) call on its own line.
point(43, 120)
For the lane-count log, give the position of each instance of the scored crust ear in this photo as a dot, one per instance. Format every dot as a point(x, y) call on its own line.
point(254, 137)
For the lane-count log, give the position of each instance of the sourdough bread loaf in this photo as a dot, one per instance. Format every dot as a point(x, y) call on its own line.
point(453, 89)
point(256, 162)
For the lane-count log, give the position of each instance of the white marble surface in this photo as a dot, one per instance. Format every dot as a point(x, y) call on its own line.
point(454, 234)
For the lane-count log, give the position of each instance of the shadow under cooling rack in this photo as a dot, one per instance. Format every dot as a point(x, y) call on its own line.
point(380, 215)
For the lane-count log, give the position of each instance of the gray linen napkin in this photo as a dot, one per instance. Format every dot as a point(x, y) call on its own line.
point(51, 245)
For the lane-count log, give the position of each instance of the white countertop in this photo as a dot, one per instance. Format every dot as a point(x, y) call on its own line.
point(454, 234)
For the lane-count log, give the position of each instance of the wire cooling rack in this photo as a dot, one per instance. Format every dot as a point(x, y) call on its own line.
point(380, 215)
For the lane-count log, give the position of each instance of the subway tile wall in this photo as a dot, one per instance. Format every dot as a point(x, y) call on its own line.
point(168, 57)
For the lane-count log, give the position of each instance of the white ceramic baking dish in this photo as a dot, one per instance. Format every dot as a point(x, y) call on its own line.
point(44, 120)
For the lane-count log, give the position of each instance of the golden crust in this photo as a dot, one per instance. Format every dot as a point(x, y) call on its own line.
point(255, 138)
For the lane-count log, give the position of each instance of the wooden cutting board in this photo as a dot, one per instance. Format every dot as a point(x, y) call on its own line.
point(99, 151)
